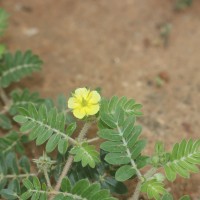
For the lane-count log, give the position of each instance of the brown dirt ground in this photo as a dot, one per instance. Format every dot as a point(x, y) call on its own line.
point(116, 45)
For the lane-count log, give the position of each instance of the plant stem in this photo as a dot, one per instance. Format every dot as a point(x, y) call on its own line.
point(4, 110)
point(70, 159)
point(4, 97)
point(93, 140)
point(150, 173)
point(84, 130)
point(11, 176)
point(147, 175)
point(64, 172)
point(137, 191)
point(47, 179)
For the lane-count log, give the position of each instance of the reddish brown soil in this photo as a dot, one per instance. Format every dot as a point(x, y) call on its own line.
point(116, 45)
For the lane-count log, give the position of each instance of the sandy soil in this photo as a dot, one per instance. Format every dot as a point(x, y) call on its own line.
point(116, 45)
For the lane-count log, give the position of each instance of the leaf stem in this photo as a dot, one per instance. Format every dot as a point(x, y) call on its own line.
point(93, 139)
point(70, 159)
point(147, 175)
point(129, 155)
point(13, 176)
point(47, 179)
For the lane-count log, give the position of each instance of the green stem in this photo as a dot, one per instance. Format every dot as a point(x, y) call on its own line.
point(47, 179)
point(14, 176)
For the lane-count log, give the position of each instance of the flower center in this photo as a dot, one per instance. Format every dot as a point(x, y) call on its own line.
point(84, 102)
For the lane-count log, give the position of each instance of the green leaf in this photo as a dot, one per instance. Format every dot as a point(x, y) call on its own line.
point(23, 99)
point(167, 197)
point(123, 145)
point(10, 167)
point(170, 174)
point(86, 154)
point(26, 195)
point(15, 67)
point(25, 164)
point(108, 120)
point(91, 190)
point(11, 141)
point(8, 194)
point(71, 128)
point(117, 158)
point(183, 159)
point(20, 119)
point(27, 183)
point(113, 146)
point(52, 143)
point(80, 187)
point(62, 146)
point(36, 183)
point(42, 138)
point(66, 185)
point(81, 190)
point(5, 122)
point(96, 174)
point(109, 134)
point(44, 126)
point(139, 146)
point(185, 197)
point(153, 188)
point(124, 173)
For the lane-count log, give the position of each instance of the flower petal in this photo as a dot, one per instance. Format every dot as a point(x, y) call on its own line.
point(79, 113)
point(92, 109)
point(72, 103)
point(94, 97)
point(81, 92)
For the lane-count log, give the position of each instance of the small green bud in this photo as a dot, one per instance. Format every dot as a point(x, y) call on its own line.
point(159, 177)
point(44, 163)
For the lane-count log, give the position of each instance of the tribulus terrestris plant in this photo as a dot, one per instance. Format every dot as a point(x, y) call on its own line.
point(77, 169)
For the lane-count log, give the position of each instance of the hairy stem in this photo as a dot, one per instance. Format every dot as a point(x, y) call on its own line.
point(14, 176)
point(147, 175)
point(84, 130)
point(150, 173)
point(70, 159)
point(47, 179)
point(137, 191)
point(64, 172)
point(93, 140)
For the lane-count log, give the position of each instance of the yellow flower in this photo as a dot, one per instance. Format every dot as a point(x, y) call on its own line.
point(84, 102)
